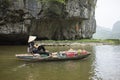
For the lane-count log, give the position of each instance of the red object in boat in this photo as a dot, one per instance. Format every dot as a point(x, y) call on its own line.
point(71, 54)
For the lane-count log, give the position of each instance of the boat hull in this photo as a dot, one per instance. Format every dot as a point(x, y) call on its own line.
point(30, 57)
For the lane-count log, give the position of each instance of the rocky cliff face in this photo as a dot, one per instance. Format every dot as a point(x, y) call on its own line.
point(73, 19)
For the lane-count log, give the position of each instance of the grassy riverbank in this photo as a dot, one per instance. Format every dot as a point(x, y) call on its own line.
point(81, 42)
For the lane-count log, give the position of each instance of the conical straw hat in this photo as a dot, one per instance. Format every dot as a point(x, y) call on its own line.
point(31, 38)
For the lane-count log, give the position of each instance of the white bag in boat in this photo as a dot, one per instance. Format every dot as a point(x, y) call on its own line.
point(55, 55)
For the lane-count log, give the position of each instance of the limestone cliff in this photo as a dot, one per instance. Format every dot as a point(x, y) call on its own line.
point(73, 19)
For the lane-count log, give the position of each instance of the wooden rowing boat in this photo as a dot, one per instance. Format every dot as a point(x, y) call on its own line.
point(31, 57)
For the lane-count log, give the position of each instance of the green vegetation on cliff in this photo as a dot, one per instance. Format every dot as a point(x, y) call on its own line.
point(61, 1)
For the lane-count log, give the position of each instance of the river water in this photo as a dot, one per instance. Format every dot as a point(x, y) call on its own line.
point(102, 64)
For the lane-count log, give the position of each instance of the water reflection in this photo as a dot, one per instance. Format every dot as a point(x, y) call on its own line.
point(19, 67)
point(106, 65)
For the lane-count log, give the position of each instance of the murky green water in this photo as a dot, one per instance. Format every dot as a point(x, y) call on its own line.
point(103, 64)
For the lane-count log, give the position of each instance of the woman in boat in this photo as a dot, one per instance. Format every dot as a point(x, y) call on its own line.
point(34, 48)
point(37, 49)
point(30, 46)
point(42, 50)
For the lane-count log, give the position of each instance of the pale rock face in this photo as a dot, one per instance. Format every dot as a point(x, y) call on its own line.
point(50, 20)
point(77, 8)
